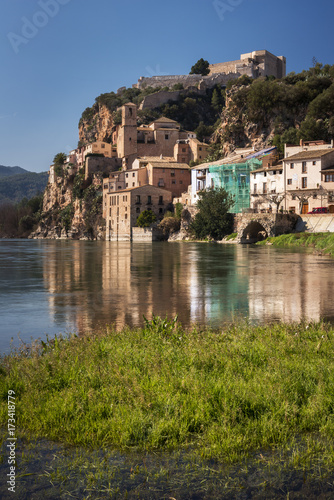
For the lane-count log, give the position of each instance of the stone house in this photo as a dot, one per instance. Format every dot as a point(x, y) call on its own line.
point(160, 172)
point(123, 208)
point(161, 137)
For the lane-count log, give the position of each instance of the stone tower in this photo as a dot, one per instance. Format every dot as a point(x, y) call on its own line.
point(127, 135)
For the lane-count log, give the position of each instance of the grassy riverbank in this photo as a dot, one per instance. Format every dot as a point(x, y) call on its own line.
point(322, 242)
point(224, 394)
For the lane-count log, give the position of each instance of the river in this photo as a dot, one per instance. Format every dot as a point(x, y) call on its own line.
point(51, 287)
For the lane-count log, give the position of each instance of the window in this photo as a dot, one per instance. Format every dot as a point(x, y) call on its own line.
point(274, 172)
point(181, 182)
point(149, 200)
point(304, 182)
point(105, 186)
point(173, 181)
point(304, 168)
point(133, 175)
point(160, 210)
point(126, 175)
point(161, 200)
point(264, 188)
point(130, 139)
point(265, 174)
point(126, 185)
point(314, 162)
point(329, 178)
point(138, 210)
point(254, 176)
point(289, 181)
point(184, 150)
point(126, 216)
point(161, 183)
point(138, 199)
point(166, 137)
point(133, 184)
point(292, 165)
point(103, 146)
point(255, 188)
point(200, 149)
point(172, 173)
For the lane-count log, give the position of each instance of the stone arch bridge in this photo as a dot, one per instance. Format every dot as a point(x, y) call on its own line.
point(256, 227)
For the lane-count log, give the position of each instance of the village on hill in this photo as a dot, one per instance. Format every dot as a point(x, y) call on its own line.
point(147, 167)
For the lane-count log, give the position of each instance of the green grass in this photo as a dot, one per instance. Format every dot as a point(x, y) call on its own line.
point(231, 236)
point(223, 394)
point(323, 242)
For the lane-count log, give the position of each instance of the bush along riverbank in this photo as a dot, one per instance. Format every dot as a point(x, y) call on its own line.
point(224, 396)
point(320, 242)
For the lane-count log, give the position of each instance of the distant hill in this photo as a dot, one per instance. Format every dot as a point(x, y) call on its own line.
point(9, 171)
point(17, 183)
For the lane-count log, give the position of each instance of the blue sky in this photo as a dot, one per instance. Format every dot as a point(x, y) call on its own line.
point(58, 55)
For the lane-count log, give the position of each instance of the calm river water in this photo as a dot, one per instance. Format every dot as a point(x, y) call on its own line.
point(50, 287)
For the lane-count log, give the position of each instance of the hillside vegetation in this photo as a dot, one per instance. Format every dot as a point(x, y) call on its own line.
point(13, 188)
point(261, 112)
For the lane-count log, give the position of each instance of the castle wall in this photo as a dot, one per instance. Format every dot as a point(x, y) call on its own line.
point(159, 98)
point(253, 64)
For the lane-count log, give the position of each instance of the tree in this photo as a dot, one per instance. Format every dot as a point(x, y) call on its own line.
point(274, 198)
point(217, 100)
point(303, 197)
point(59, 159)
point(212, 219)
point(146, 218)
point(200, 68)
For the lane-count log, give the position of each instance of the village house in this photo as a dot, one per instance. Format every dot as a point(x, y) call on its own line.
point(309, 180)
point(123, 208)
point(231, 173)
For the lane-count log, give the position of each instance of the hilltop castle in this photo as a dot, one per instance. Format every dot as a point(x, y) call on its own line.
point(253, 64)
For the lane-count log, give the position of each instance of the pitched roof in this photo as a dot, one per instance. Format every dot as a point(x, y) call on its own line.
point(306, 155)
point(162, 119)
point(168, 164)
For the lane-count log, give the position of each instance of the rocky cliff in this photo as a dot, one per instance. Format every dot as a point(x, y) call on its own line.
point(97, 124)
point(72, 209)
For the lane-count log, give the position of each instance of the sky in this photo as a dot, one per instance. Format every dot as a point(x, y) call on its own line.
point(57, 56)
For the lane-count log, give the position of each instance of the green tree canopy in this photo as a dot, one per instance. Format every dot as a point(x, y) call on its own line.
point(200, 68)
point(59, 159)
point(212, 219)
point(146, 218)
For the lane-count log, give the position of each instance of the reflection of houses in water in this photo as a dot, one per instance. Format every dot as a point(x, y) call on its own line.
point(287, 291)
point(217, 284)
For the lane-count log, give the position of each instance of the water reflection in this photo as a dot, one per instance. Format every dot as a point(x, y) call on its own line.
point(53, 286)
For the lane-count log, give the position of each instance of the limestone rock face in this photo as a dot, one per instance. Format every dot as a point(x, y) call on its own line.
point(67, 217)
point(98, 127)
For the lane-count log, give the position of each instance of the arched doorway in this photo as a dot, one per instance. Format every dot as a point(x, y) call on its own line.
point(253, 233)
